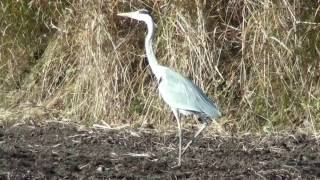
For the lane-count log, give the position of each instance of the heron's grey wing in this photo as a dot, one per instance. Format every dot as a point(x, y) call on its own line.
point(179, 92)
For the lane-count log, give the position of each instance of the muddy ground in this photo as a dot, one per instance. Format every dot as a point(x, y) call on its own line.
point(61, 151)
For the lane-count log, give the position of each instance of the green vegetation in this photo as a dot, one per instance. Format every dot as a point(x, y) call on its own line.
point(259, 60)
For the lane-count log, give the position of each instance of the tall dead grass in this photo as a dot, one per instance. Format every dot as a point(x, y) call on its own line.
point(258, 59)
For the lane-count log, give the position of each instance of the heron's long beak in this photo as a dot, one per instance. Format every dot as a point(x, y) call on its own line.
point(125, 15)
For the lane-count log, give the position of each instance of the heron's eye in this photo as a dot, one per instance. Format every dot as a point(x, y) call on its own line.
point(144, 11)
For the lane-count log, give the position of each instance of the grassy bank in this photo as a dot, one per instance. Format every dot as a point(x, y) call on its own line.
point(259, 60)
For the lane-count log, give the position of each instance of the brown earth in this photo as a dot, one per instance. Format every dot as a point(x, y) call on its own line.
point(61, 151)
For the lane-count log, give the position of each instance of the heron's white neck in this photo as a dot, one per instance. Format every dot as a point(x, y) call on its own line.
point(149, 49)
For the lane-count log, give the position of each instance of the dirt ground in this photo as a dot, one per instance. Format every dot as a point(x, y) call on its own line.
point(61, 151)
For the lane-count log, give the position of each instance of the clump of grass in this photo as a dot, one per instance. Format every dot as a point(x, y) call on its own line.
point(258, 60)
point(25, 31)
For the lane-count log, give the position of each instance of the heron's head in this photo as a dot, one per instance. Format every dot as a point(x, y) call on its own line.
point(140, 15)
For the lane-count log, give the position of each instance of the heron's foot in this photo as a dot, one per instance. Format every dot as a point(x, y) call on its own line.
point(176, 166)
point(187, 146)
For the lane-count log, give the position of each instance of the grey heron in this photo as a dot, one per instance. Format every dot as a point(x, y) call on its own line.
point(181, 94)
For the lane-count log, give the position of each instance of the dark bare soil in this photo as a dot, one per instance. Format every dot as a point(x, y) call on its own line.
point(60, 151)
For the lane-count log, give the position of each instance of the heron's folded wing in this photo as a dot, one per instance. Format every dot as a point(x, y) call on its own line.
point(181, 93)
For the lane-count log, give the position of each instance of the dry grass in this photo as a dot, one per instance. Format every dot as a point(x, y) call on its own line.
point(259, 60)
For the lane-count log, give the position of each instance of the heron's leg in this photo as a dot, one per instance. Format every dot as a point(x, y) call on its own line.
point(176, 114)
point(203, 126)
